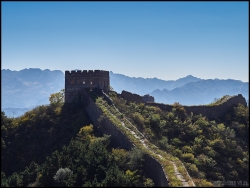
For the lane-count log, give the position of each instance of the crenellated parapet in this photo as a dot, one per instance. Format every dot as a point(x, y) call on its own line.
point(87, 73)
point(75, 80)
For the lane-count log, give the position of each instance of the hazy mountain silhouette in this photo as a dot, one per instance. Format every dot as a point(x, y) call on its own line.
point(144, 86)
point(201, 92)
point(28, 88)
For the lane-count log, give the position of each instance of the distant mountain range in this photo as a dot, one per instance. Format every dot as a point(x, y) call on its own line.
point(27, 88)
point(201, 92)
point(144, 86)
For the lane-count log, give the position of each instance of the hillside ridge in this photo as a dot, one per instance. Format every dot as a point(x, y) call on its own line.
point(210, 111)
point(131, 137)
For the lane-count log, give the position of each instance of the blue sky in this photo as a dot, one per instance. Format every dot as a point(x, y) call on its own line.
point(166, 40)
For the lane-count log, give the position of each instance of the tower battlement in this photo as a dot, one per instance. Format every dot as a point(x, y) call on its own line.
point(87, 73)
point(75, 80)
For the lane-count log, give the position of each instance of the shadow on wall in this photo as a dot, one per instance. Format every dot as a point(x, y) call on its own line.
point(152, 168)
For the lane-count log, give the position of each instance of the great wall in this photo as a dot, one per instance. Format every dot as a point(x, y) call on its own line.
point(78, 81)
point(75, 80)
point(153, 168)
point(210, 111)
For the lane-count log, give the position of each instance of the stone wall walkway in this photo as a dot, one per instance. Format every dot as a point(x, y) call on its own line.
point(143, 139)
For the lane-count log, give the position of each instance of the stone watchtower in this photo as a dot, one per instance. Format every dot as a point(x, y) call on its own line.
point(76, 80)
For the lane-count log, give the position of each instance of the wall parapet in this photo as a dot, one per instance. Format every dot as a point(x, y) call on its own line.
point(137, 98)
point(217, 110)
point(210, 111)
point(87, 73)
point(119, 139)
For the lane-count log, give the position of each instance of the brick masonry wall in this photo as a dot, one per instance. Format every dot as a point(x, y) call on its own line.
point(152, 167)
point(75, 80)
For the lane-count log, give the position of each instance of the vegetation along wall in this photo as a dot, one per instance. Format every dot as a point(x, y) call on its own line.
point(210, 111)
point(152, 168)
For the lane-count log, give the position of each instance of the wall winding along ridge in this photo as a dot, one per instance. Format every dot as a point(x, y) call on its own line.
point(152, 167)
point(217, 110)
point(208, 111)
